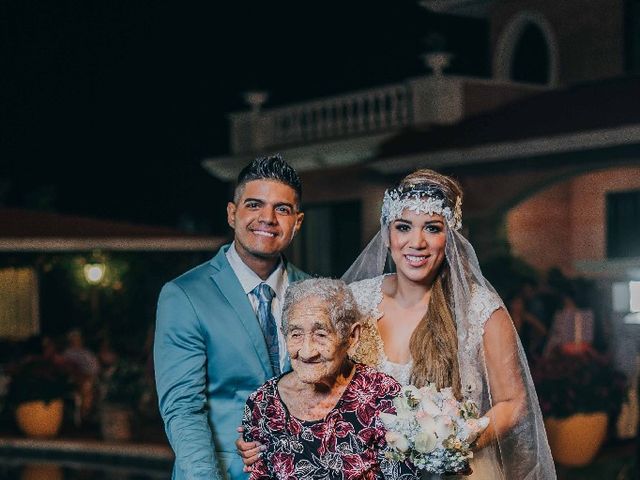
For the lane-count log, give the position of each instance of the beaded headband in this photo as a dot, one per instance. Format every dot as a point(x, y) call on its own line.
point(421, 198)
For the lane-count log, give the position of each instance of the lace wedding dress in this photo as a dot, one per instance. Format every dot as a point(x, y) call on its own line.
point(370, 350)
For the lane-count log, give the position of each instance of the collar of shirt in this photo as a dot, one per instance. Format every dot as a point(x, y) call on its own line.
point(278, 281)
point(250, 280)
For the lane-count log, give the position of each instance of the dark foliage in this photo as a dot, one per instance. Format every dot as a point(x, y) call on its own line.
point(583, 381)
point(38, 379)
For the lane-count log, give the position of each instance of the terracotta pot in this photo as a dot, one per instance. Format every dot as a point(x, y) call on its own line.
point(575, 440)
point(42, 472)
point(40, 419)
point(115, 423)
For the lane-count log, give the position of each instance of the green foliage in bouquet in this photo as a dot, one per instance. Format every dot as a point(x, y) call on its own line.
point(38, 378)
point(583, 381)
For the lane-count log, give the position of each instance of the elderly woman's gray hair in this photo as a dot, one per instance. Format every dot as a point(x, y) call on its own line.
point(335, 295)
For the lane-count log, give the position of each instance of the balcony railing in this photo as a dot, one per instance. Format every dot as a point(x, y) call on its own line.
point(428, 100)
point(356, 113)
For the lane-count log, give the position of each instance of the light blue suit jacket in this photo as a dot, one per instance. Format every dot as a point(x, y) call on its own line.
point(209, 354)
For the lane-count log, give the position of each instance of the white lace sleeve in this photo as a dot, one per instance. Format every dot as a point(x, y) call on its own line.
point(368, 295)
point(482, 305)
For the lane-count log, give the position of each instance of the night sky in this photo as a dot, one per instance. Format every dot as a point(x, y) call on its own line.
point(107, 108)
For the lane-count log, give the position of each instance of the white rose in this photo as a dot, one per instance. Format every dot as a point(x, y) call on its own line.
point(425, 441)
point(447, 393)
point(428, 390)
point(443, 427)
point(429, 406)
point(402, 407)
point(450, 407)
point(397, 441)
point(388, 419)
point(401, 404)
point(464, 431)
point(427, 423)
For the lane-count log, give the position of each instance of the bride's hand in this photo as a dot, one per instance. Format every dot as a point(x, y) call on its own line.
point(248, 451)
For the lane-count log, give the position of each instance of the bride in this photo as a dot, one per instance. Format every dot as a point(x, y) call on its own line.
point(437, 319)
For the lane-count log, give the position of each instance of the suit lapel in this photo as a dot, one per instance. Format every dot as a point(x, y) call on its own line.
point(230, 287)
point(294, 273)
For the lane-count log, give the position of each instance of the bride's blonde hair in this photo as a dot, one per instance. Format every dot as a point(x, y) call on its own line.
point(434, 342)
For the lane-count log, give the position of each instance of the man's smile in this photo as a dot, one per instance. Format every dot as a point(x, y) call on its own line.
point(264, 233)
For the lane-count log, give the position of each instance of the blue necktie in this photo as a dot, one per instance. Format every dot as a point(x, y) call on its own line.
point(265, 294)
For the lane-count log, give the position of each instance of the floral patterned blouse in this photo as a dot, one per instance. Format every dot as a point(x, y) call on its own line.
point(348, 444)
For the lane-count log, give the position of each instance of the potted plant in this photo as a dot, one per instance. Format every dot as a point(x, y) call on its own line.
point(122, 387)
point(578, 390)
point(37, 390)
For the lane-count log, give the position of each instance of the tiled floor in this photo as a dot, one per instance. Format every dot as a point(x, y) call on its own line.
point(60, 459)
point(616, 461)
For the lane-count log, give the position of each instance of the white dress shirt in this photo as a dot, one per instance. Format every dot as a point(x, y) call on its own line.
point(278, 281)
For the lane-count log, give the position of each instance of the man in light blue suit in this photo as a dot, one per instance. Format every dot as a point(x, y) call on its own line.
point(217, 332)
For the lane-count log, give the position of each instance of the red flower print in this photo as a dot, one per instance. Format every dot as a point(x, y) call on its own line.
point(283, 466)
point(386, 405)
point(371, 435)
point(364, 392)
point(276, 417)
point(355, 467)
point(295, 427)
point(330, 430)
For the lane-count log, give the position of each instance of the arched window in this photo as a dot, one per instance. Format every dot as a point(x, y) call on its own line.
point(527, 51)
point(530, 62)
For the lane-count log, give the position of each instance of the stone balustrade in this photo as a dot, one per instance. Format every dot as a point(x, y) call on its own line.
point(419, 101)
point(356, 113)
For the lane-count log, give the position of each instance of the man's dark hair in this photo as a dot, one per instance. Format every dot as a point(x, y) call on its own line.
point(272, 167)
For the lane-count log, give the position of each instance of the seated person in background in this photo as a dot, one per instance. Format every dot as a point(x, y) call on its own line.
point(51, 352)
point(572, 327)
point(322, 419)
point(80, 356)
point(86, 368)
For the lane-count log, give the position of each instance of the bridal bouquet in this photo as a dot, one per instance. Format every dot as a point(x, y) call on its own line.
point(433, 429)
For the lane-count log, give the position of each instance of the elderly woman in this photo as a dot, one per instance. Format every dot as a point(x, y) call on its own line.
point(321, 420)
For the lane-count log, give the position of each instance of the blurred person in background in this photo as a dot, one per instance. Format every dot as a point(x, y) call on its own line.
point(86, 369)
point(573, 327)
